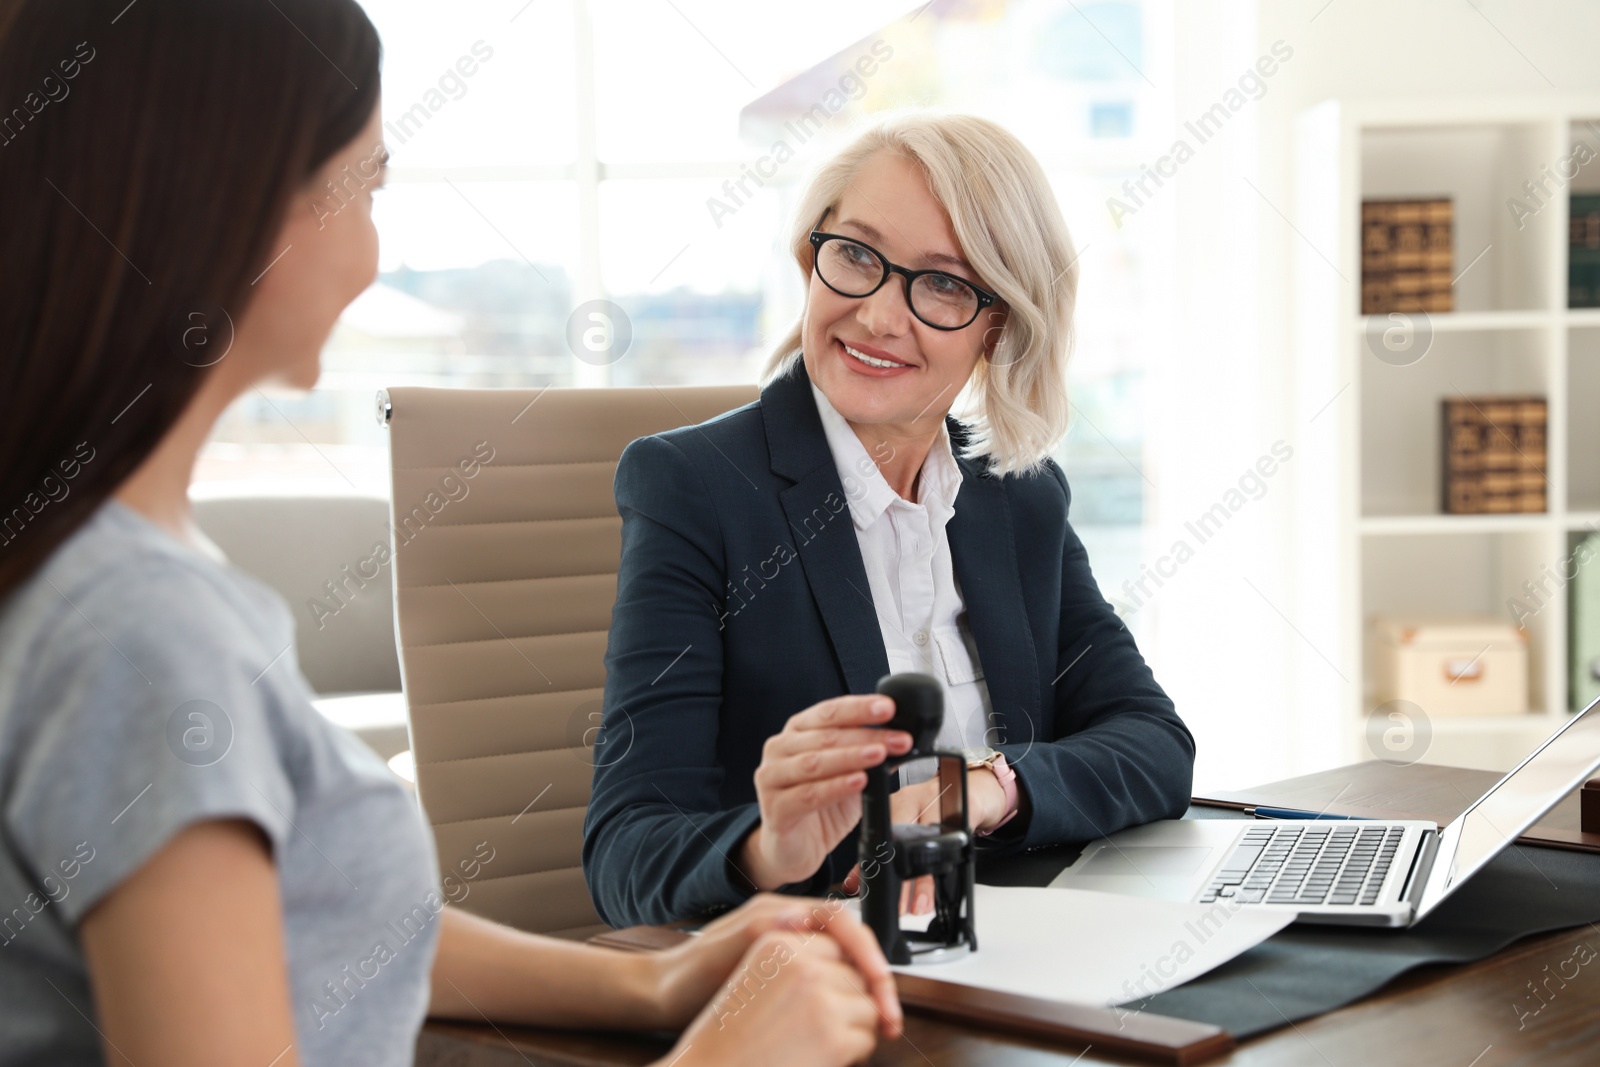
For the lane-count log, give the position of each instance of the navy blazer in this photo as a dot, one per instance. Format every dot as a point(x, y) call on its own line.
point(742, 599)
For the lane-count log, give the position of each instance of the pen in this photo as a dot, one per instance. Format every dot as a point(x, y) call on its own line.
point(1291, 813)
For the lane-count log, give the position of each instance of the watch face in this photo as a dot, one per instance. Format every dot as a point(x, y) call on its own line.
point(980, 755)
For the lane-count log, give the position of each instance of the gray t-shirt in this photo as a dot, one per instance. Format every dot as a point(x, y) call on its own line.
point(145, 687)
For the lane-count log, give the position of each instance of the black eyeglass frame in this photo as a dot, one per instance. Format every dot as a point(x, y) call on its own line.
point(985, 298)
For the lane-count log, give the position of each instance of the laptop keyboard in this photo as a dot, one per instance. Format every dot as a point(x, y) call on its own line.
point(1307, 865)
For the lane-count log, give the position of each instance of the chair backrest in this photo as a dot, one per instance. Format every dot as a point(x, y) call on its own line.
point(507, 541)
point(317, 551)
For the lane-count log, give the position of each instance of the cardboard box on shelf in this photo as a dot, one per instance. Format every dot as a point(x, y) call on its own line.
point(1450, 666)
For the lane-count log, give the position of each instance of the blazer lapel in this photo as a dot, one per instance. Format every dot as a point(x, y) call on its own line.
point(983, 551)
point(831, 556)
point(825, 538)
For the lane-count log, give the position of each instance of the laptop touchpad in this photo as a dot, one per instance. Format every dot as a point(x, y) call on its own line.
point(1147, 860)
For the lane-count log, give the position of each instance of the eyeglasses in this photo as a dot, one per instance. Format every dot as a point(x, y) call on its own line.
point(851, 268)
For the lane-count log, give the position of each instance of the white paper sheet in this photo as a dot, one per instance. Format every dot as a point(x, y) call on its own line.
point(1096, 948)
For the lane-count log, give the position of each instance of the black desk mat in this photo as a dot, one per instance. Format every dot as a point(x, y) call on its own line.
point(1306, 970)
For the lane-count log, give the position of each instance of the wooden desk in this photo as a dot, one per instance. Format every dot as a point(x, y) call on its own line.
point(1461, 1016)
point(1457, 1016)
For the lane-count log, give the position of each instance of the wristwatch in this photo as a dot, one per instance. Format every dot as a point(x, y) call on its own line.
point(996, 762)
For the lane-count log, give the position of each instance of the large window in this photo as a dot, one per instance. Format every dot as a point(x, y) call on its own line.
point(649, 153)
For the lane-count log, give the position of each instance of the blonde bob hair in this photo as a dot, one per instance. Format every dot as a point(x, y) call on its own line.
point(1010, 229)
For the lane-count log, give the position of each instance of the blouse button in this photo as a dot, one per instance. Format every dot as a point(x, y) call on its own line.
point(920, 637)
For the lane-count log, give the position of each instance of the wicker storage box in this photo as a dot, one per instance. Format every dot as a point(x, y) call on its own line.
point(1493, 454)
point(1407, 255)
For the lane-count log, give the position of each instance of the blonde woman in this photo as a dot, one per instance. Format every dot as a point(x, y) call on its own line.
point(779, 559)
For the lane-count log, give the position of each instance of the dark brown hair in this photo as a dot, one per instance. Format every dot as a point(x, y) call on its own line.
point(148, 154)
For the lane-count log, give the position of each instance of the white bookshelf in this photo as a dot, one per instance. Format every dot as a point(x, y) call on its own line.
point(1370, 538)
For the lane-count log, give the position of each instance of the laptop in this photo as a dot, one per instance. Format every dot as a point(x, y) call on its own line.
point(1357, 871)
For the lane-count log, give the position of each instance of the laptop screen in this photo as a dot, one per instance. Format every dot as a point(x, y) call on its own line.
point(1536, 785)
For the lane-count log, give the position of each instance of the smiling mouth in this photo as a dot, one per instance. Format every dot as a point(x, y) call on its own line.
point(871, 361)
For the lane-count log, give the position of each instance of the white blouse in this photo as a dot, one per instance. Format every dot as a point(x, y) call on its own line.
point(914, 590)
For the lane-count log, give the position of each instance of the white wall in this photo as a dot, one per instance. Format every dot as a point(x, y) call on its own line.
point(1225, 636)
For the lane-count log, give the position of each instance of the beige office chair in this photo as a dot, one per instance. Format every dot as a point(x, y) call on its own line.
point(507, 541)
